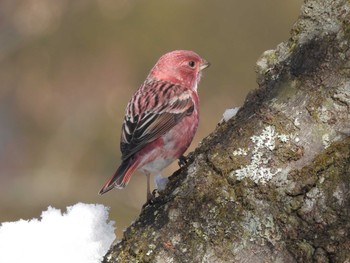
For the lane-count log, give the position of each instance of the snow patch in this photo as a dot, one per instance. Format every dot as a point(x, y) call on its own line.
point(161, 182)
point(82, 234)
point(228, 114)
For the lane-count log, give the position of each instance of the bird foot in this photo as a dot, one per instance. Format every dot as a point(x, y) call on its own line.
point(154, 193)
point(182, 161)
point(151, 198)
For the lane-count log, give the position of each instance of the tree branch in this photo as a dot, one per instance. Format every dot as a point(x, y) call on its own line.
point(271, 184)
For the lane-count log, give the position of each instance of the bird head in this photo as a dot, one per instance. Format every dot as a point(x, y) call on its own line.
point(180, 67)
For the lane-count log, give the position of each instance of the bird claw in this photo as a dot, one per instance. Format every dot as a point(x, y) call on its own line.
point(155, 192)
point(151, 198)
point(182, 161)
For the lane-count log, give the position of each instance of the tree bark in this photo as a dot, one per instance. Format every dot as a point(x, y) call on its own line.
point(272, 183)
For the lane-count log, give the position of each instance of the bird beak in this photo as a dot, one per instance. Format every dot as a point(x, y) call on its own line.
point(204, 65)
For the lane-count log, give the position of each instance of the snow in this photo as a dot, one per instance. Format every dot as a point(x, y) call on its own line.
point(161, 182)
point(228, 114)
point(82, 234)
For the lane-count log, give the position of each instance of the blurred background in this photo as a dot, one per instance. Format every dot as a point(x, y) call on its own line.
point(68, 69)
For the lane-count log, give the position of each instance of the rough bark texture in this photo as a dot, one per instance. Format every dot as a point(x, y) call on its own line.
point(271, 184)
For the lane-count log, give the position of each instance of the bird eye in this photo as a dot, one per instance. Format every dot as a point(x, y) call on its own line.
point(192, 64)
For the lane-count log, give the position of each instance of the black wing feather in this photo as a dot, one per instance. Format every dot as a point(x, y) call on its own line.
point(150, 123)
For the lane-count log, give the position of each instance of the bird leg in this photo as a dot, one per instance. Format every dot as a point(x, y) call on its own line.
point(149, 194)
point(182, 161)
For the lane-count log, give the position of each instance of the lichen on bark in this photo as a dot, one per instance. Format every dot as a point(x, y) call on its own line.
point(293, 131)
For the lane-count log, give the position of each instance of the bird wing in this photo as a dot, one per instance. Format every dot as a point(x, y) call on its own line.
point(155, 108)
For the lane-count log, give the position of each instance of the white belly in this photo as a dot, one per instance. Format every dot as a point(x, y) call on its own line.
point(156, 166)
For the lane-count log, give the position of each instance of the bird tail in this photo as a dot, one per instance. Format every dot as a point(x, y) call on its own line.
point(121, 177)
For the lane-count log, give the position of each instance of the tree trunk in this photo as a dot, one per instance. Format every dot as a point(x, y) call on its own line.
point(272, 183)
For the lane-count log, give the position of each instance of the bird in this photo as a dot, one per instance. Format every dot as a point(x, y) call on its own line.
point(161, 118)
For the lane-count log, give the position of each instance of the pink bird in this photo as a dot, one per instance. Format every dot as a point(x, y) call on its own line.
point(161, 118)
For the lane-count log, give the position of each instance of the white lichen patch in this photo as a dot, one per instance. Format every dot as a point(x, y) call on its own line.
point(266, 139)
point(326, 141)
point(151, 249)
point(293, 137)
point(240, 152)
point(283, 137)
point(311, 200)
point(339, 194)
point(265, 62)
point(176, 239)
point(258, 170)
point(323, 114)
point(260, 229)
point(297, 122)
point(297, 119)
point(163, 257)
